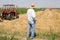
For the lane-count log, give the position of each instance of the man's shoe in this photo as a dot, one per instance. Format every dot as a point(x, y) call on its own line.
point(31, 37)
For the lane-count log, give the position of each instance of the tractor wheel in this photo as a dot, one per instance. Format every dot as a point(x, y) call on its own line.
point(17, 16)
point(9, 17)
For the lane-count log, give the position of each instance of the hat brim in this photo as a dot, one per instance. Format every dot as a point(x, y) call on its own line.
point(32, 6)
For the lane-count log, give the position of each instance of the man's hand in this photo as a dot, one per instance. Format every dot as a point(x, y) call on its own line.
point(34, 20)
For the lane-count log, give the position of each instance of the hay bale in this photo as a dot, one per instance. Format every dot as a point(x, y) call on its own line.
point(47, 19)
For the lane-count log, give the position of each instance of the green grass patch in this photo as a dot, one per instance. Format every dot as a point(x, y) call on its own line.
point(21, 10)
point(24, 10)
point(3, 31)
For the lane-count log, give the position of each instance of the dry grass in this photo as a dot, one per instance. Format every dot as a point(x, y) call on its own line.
point(48, 18)
point(45, 20)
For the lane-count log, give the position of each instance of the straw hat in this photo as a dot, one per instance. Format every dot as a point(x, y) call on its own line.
point(32, 6)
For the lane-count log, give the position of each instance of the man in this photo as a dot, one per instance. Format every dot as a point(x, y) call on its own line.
point(31, 21)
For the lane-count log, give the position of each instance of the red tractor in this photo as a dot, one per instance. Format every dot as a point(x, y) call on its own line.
point(9, 12)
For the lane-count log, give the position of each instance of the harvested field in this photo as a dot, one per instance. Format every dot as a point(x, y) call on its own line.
point(47, 21)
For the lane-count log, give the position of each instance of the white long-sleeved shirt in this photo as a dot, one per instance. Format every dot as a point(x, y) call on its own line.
point(30, 14)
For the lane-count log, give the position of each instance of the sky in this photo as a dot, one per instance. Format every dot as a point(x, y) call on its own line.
point(38, 3)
